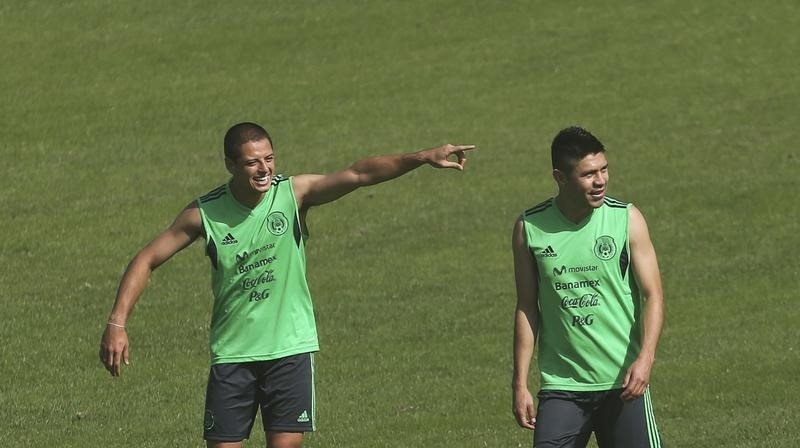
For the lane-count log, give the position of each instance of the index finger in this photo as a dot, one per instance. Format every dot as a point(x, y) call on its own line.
point(117, 358)
point(630, 392)
point(526, 421)
point(531, 416)
point(106, 358)
point(459, 148)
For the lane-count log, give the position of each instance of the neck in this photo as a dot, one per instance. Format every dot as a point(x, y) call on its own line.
point(571, 210)
point(246, 196)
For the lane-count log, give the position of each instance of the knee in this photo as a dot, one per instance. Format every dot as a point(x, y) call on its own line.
point(285, 440)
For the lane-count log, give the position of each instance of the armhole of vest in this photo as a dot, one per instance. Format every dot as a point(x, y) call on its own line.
point(211, 247)
point(626, 249)
point(530, 249)
point(524, 226)
point(527, 234)
point(211, 252)
point(628, 227)
point(297, 228)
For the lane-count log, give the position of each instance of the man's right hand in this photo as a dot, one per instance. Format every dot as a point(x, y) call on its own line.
point(114, 349)
point(439, 157)
point(524, 409)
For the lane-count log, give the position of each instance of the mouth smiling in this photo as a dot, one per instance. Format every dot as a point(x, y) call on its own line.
point(262, 181)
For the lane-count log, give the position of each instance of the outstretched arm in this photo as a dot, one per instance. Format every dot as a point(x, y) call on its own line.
point(526, 323)
point(114, 343)
point(645, 269)
point(317, 189)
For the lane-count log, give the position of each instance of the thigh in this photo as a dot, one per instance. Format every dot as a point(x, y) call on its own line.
point(286, 394)
point(627, 424)
point(563, 420)
point(231, 404)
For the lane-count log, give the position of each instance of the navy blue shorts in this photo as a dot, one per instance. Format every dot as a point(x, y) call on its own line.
point(567, 420)
point(282, 388)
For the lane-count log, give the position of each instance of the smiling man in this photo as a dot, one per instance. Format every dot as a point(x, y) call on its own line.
point(589, 294)
point(263, 334)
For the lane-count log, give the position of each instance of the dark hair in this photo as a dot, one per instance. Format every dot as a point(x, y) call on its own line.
point(571, 145)
point(240, 134)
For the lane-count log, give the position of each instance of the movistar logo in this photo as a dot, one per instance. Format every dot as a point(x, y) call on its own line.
point(229, 239)
point(303, 417)
point(245, 255)
point(548, 252)
point(563, 269)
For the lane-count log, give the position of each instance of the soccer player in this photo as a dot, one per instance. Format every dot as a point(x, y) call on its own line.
point(589, 294)
point(263, 334)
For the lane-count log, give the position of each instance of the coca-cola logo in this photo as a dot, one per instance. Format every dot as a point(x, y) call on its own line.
point(589, 300)
point(265, 277)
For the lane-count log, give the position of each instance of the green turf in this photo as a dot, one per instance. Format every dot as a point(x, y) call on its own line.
point(112, 114)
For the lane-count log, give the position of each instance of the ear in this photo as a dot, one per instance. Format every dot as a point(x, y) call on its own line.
point(559, 177)
point(229, 165)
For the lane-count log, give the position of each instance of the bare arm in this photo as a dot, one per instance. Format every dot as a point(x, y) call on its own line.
point(317, 189)
point(114, 343)
point(526, 323)
point(648, 277)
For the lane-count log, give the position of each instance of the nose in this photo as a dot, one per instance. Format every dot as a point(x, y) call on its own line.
point(599, 181)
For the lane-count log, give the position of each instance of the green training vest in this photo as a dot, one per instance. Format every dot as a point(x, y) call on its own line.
point(262, 305)
point(588, 301)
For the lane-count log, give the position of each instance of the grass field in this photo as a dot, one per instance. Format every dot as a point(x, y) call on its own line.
point(112, 116)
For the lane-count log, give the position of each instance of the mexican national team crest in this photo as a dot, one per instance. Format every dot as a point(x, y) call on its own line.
point(605, 248)
point(277, 223)
point(208, 421)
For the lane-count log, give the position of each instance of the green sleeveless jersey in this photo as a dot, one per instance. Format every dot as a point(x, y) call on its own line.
point(262, 305)
point(589, 321)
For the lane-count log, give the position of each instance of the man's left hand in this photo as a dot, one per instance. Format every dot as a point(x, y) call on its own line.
point(636, 379)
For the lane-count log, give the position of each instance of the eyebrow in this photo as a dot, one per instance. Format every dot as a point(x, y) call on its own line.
point(585, 172)
point(252, 159)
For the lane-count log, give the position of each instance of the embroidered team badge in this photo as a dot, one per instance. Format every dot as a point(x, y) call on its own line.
point(277, 223)
point(605, 248)
point(208, 421)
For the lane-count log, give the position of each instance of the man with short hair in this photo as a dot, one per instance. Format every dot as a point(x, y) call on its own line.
point(263, 334)
point(589, 294)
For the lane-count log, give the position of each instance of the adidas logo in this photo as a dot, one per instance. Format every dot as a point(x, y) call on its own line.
point(303, 417)
point(546, 252)
point(229, 239)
